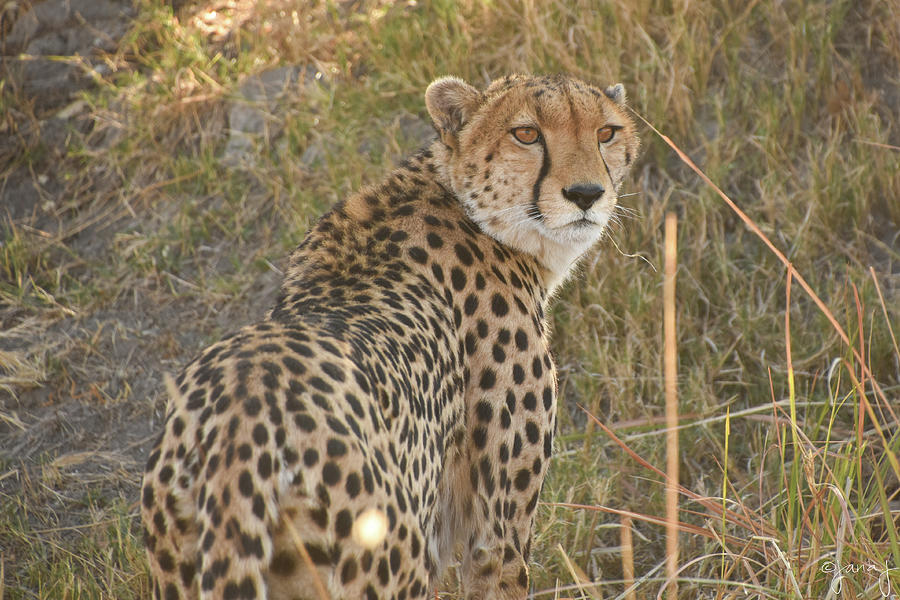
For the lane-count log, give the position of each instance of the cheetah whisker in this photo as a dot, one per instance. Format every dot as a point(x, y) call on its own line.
point(512, 208)
point(525, 220)
point(625, 212)
point(636, 255)
point(627, 209)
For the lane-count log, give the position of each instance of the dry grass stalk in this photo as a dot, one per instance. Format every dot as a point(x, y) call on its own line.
point(584, 584)
point(671, 376)
point(627, 558)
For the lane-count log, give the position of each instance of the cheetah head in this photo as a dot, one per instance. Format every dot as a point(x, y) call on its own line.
point(536, 161)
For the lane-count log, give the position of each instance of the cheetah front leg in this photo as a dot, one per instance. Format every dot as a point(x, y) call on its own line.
point(510, 445)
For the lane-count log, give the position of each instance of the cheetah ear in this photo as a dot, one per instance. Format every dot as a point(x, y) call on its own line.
point(616, 93)
point(451, 102)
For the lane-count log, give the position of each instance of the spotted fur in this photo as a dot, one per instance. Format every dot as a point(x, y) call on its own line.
point(404, 368)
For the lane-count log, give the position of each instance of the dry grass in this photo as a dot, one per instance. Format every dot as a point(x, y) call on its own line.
point(151, 244)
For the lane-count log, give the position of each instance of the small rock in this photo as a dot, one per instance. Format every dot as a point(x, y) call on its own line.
point(253, 116)
point(76, 28)
point(312, 155)
point(414, 129)
point(59, 16)
point(409, 130)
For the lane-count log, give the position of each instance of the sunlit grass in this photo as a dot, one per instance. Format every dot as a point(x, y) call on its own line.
point(786, 106)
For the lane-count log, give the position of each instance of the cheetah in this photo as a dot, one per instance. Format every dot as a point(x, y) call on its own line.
point(404, 371)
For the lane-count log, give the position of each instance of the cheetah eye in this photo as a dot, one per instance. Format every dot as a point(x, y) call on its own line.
point(526, 135)
point(606, 134)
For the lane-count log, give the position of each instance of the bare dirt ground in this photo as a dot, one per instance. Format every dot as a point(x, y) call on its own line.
point(80, 391)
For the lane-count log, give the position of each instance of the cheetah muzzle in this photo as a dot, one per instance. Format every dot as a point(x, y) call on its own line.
point(404, 371)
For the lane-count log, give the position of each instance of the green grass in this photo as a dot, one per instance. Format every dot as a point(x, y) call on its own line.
point(789, 107)
point(101, 559)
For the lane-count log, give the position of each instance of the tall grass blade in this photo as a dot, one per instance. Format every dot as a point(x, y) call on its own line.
point(627, 558)
point(725, 483)
point(778, 253)
point(671, 385)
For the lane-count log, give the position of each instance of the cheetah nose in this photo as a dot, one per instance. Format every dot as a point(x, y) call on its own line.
point(583, 194)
